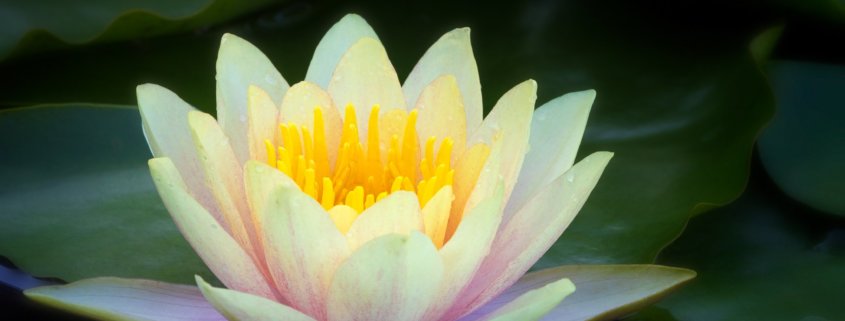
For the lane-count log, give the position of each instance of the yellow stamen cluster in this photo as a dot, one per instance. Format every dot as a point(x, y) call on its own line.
point(359, 177)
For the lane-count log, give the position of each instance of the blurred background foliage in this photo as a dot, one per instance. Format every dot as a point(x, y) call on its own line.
point(685, 92)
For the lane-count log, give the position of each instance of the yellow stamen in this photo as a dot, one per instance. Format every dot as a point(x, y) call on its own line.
point(360, 177)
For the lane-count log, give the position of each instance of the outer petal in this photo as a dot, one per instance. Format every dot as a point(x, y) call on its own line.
point(127, 299)
point(450, 55)
point(605, 292)
point(298, 107)
point(334, 44)
point(303, 247)
point(364, 77)
point(165, 121)
point(261, 115)
point(556, 131)
point(223, 176)
point(239, 65)
point(532, 231)
point(241, 306)
point(442, 113)
point(393, 277)
point(511, 116)
point(223, 255)
point(397, 213)
point(466, 250)
point(632, 287)
point(534, 304)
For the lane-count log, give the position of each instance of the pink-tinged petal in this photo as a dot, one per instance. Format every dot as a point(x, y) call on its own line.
point(165, 121)
point(334, 44)
point(397, 213)
point(260, 180)
point(242, 306)
point(304, 248)
point(531, 304)
point(109, 298)
point(262, 115)
point(393, 277)
point(609, 292)
point(220, 252)
point(224, 176)
point(441, 113)
point(364, 78)
point(298, 108)
point(466, 250)
point(450, 55)
point(239, 65)
point(435, 215)
point(605, 292)
point(512, 117)
point(531, 231)
point(556, 131)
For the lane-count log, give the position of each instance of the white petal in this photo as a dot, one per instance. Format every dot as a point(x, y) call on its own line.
point(262, 115)
point(239, 65)
point(556, 131)
point(165, 121)
point(533, 304)
point(364, 78)
point(223, 255)
point(463, 254)
point(111, 298)
point(334, 44)
point(604, 292)
point(397, 213)
point(303, 248)
point(224, 177)
point(393, 277)
point(242, 306)
point(531, 231)
point(450, 55)
point(512, 117)
point(441, 114)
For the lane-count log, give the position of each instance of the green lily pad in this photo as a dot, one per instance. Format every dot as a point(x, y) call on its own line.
point(761, 258)
point(77, 200)
point(680, 119)
point(804, 147)
point(29, 26)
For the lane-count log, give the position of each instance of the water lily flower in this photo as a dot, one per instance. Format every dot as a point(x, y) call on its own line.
point(350, 196)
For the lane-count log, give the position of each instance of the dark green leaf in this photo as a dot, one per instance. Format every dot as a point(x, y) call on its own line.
point(804, 148)
point(29, 26)
point(761, 258)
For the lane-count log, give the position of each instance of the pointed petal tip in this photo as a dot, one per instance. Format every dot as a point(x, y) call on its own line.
point(462, 33)
point(228, 36)
point(352, 16)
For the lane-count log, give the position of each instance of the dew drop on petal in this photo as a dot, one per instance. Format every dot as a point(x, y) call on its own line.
point(270, 79)
point(570, 177)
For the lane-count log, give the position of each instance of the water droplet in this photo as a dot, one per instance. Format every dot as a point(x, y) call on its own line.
point(570, 177)
point(270, 79)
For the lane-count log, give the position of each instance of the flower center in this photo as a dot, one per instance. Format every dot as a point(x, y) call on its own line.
point(360, 177)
